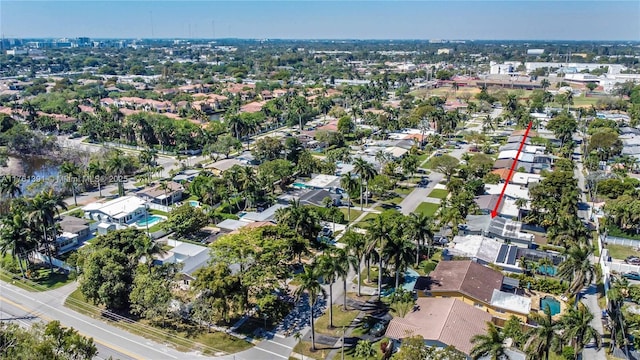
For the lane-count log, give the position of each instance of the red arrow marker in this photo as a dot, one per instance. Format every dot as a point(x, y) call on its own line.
point(494, 213)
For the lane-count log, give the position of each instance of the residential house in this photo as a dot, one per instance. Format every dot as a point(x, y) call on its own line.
point(219, 167)
point(441, 322)
point(74, 225)
point(122, 211)
point(186, 176)
point(324, 182)
point(316, 198)
point(163, 196)
point(268, 214)
point(191, 256)
point(473, 284)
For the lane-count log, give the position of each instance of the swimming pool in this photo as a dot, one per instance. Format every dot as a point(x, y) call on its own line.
point(150, 220)
point(194, 203)
point(410, 278)
point(552, 303)
point(547, 270)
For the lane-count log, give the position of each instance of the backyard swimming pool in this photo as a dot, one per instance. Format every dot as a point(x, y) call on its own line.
point(552, 303)
point(150, 220)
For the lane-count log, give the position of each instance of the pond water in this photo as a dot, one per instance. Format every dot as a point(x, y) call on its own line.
point(35, 169)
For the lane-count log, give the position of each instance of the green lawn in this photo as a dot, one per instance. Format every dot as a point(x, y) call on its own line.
point(428, 209)
point(438, 194)
point(182, 336)
point(158, 212)
point(354, 213)
point(304, 348)
point(349, 353)
point(621, 252)
point(366, 221)
point(403, 190)
point(340, 318)
point(40, 279)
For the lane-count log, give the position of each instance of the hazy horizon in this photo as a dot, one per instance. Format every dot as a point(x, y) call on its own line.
point(325, 20)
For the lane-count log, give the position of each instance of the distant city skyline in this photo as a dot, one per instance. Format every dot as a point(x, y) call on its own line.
point(465, 20)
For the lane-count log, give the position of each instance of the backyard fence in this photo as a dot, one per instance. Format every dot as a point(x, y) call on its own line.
point(622, 241)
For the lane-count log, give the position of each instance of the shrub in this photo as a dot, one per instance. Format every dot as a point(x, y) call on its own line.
point(428, 266)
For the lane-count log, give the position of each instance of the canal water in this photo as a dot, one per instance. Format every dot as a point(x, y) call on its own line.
point(34, 172)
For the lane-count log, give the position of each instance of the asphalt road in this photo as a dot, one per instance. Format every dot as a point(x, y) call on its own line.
point(23, 306)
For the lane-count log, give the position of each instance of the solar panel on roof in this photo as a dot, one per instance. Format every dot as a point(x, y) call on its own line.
point(511, 258)
point(502, 254)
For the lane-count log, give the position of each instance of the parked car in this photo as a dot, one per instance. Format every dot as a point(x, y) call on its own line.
point(379, 328)
point(633, 260)
point(632, 275)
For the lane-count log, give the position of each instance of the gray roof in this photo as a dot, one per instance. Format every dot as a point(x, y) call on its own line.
point(316, 197)
point(518, 139)
point(487, 202)
point(231, 224)
point(267, 215)
point(477, 223)
point(73, 224)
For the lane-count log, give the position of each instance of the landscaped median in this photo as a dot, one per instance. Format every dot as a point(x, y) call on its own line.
point(181, 335)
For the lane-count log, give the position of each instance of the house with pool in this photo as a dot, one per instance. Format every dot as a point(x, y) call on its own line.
point(121, 211)
point(482, 287)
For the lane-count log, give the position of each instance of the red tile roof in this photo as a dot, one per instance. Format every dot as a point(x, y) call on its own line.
point(445, 320)
point(467, 277)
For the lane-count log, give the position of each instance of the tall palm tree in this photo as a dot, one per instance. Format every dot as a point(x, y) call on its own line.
point(349, 184)
point(541, 337)
point(97, 171)
point(117, 165)
point(490, 344)
point(43, 209)
point(366, 172)
point(356, 246)
point(10, 185)
point(326, 268)
point(145, 246)
point(344, 260)
point(576, 328)
point(310, 285)
point(421, 230)
point(72, 172)
point(577, 268)
point(400, 251)
point(16, 237)
point(380, 234)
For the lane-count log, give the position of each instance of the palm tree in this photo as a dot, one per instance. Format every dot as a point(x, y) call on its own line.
point(356, 245)
point(349, 184)
point(72, 171)
point(542, 336)
point(400, 251)
point(577, 329)
point(148, 157)
point(310, 285)
point(117, 165)
point(43, 209)
point(145, 246)
point(344, 260)
point(545, 263)
point(327, 269)
point(577, 268)
point(366, 172)
point(364, 349)
point(490, 344)
point(379, 233)
point(420, 228)
point(97, 171)
point(300, 218)
point(16, 237)
point(10, 185)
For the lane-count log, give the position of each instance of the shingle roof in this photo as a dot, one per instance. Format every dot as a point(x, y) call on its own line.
point(446, 320)
point(467, 277)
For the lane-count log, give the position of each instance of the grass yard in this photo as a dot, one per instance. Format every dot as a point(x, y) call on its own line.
point(403, 190)
point(304, 348)
point(349, 354)
point(621, 252)
point(340, 318)
point(354, 213)
point(438, 193)
point(428, 209)
point(182, 336)
point(366, 221)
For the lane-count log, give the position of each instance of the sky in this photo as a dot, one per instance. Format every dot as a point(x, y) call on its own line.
point(324, 19)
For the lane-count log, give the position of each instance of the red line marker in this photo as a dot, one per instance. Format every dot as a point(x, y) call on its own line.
point(494, 213)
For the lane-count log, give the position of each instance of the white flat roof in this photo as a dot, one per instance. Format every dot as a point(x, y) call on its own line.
point(322, 181)
point(118, 207)
point(509, 301)
point(187, 249)
point(514, 191)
